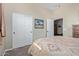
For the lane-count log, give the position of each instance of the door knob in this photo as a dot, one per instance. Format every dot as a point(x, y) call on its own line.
point(13, 32)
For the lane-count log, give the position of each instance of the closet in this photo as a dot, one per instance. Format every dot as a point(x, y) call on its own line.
point(58, 27)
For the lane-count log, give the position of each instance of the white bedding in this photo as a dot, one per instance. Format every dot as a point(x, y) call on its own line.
point(55, 46)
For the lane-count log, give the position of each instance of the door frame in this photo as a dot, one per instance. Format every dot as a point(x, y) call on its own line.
point(52, 21)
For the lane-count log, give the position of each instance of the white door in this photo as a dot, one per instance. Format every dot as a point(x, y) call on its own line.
point(49, 28)
point(21, 30)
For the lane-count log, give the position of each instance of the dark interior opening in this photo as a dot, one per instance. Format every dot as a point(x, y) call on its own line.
point(58, 27)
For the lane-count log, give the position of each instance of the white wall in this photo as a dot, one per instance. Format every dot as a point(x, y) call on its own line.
point(9, 8)
point(39, 33)
point(70, 15)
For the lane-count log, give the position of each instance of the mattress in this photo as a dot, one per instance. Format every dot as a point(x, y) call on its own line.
point(55, 46)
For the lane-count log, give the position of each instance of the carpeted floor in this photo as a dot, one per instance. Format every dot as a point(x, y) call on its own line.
point(22, 51)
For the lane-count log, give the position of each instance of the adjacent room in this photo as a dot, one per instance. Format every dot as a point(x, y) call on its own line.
point(39, 29)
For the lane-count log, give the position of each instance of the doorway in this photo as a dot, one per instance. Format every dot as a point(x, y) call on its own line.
point(58, 27)
point(49, 28)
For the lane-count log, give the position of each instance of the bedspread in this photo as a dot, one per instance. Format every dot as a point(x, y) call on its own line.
point(55, 46)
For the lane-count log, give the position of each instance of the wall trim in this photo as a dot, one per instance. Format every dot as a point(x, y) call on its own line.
point(7, 50)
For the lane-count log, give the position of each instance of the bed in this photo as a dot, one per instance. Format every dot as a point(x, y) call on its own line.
point(55, 46)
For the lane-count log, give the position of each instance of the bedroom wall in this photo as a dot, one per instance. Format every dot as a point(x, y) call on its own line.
point(9, 8)
point(70, 15)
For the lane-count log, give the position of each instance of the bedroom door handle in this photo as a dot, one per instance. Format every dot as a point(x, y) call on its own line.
point(13, 32)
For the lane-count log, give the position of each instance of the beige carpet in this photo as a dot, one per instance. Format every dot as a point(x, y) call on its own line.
point(22, 51)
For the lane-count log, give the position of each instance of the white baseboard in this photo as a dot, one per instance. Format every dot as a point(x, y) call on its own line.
point(3, 53)
point(8, 49)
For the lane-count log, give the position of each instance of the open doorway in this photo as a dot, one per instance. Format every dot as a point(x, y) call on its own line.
point(58, 27)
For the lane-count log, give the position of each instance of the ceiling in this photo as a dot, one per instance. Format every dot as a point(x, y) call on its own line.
point(52, 6)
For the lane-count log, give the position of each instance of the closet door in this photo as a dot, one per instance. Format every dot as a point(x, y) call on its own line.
point(21, 30)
